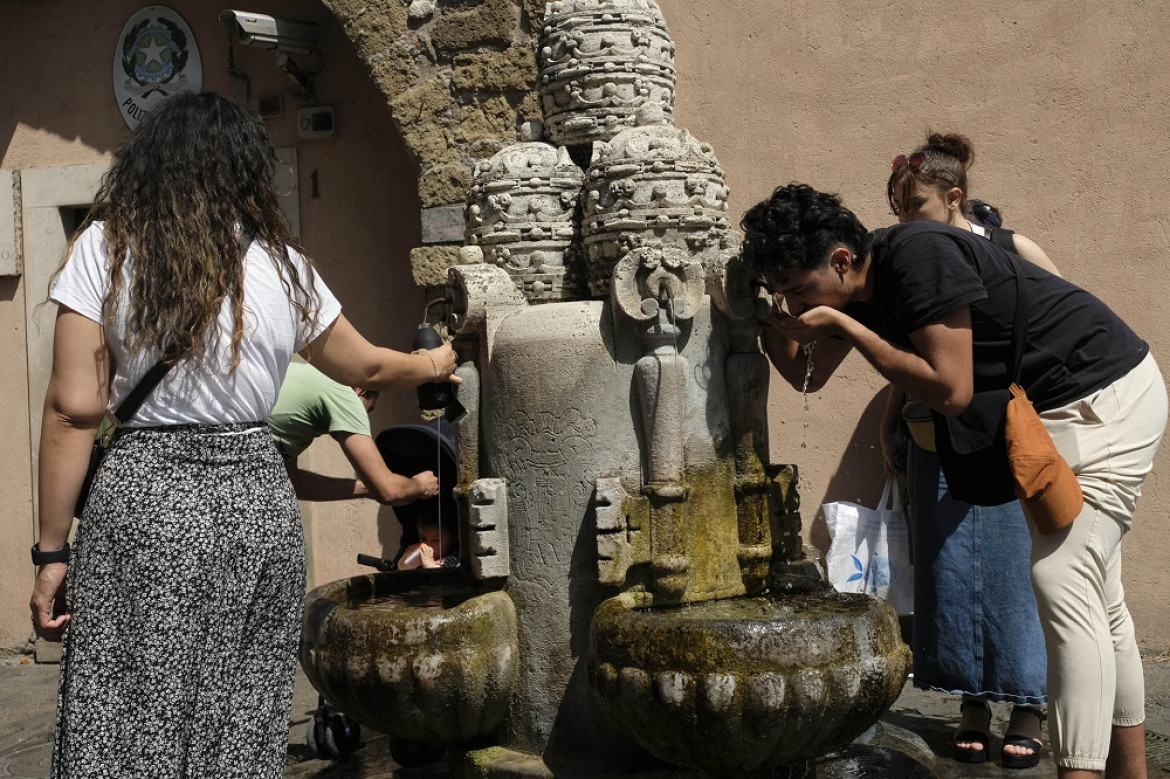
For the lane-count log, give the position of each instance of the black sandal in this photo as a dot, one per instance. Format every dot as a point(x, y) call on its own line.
point(1027, 742)
point(981, 737)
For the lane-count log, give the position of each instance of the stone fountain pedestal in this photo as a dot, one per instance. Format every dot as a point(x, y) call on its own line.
point(634, 598)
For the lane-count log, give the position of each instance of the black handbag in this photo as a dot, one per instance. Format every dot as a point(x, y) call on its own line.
point(972, 448)
point(125, 410)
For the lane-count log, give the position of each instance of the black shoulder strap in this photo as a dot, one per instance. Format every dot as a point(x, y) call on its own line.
point(1003, 238)
point(1020, 323)
point(147, 383)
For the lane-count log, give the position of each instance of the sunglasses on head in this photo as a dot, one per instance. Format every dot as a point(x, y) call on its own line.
point(914, 160)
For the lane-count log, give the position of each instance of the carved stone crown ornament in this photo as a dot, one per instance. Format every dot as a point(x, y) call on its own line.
point(653, 183)
point(600, 62)
point(520, 213)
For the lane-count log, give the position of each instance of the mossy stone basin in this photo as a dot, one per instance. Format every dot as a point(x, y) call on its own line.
point(746, 683)
point(418, 656)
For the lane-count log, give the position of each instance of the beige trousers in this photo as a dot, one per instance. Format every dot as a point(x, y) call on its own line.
point(1095, 676)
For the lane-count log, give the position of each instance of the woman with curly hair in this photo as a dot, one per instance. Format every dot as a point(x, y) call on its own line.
point(931, 307)
point(186, 577)
point(976, 630)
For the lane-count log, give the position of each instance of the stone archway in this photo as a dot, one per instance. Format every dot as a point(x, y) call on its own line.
point(460, 78)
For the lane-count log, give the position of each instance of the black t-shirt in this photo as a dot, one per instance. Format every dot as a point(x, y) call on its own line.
point(1074, 345)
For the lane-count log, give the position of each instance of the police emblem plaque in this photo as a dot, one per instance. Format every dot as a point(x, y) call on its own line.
point(156, 57)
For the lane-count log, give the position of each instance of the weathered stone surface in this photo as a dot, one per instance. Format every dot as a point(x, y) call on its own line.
point(379, 34)
point(444, 184)
point(489, 528)
point(376, 651)
point(429, 264)
point(443, 224)
point(653, 181)
point(493, 23)
point(529, 108)
point(394, 68)
point(520, 211)
point(601, 63)
point(494, 117)
point(496, 71)
point(421, 10)
point(736, 685)
point(423, 112)
point(533, 15)
point(370, 26)
point(432, 146)
point(424, 102)
point(485, 148)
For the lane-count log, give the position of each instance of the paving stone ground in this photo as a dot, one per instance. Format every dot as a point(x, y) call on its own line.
point(912, 740)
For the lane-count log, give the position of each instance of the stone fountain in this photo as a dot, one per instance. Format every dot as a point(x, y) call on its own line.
point(633, 594)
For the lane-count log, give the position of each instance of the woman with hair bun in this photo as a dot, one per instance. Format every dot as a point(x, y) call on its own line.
point(976, 628)
point(931, 183)
point(186, 578)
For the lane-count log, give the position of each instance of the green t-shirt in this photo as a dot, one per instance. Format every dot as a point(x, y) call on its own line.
point(311, 404)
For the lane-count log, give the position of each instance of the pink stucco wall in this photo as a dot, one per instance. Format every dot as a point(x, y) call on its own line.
point(1067, 105)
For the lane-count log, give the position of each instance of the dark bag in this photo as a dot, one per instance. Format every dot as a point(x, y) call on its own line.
point(972, 451)
point(104, 438)
point(1003, 238)
point(972, 448)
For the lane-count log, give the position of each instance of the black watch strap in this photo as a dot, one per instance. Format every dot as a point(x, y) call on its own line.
point(44, 558)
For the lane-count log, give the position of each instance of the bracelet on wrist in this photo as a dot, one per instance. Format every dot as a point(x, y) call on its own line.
point(40, 558)
point(434, 368)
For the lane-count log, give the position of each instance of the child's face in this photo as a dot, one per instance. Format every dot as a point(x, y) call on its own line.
point(440, 542)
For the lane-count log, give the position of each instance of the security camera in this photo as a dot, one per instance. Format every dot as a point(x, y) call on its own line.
point(268, 32)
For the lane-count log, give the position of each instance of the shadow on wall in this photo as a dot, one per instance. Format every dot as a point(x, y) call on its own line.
point(860, 475)
point(8, 288)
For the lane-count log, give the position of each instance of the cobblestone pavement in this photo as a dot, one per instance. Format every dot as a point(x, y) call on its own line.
point(911, 741)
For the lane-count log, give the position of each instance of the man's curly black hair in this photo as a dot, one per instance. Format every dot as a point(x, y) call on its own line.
point(796, 228)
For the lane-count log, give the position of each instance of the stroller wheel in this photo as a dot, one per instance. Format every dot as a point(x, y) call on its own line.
point(315, 737)
point(343, 736)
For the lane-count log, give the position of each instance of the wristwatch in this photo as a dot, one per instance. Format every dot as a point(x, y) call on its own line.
point(44, 558)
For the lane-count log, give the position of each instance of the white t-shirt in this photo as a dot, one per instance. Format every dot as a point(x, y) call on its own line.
point(212, 395)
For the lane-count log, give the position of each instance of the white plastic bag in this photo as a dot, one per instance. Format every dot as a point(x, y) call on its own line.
point(870, 549)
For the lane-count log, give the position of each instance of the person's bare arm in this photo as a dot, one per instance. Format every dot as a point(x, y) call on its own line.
point(382, 484)
point(75, 403)
point(790, 359)
point(319, 488)
point(345, 356)
point(1028, 249)
point(939, 371)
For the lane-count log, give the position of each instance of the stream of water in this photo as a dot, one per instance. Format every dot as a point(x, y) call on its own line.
point(808, 369)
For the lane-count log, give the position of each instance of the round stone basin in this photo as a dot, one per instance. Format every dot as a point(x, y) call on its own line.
point(746, 683)
point(412, 654)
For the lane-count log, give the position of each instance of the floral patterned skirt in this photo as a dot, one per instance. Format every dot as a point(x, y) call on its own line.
point(185, 585)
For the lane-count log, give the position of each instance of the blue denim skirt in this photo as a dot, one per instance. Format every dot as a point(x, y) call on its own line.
point(976, 627)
